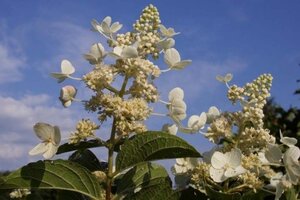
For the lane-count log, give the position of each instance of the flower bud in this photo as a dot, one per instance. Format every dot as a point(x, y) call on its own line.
point(67, 94)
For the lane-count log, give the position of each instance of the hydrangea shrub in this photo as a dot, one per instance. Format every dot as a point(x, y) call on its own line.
point(246, 162)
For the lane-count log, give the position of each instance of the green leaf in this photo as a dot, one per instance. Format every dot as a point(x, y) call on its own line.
point(88, 159)
point(290, 194)
point(153, 146)
point(69, 195)
point(216, 195)
point(141, 176)
point(259, 195)
point(161, 191)
point(80, 146)
point(191, 194)
point(57, 174)
point(146, 181)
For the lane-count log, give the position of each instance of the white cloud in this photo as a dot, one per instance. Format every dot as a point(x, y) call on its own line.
point(10, 64)
point(17, 118)
point(71, 41)
point(12, 59)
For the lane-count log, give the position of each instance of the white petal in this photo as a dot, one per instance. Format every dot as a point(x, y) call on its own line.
point(38, 149)
point(220, 78)
point(279, 191)
point(163, 29)
point(166, 44)
point(106, 28)
point(176, 93)
point(118, 51)
point(43, 130)
point(67, 103)
point(193, 120)
point(208, 154)
point(273, 153)
point(171, 129)
point(129, 52)
point(97, 50)
point(59, 76)
point(180, 161)
point(107, 20)
point(91, 58)
point(171, 57)
point(293, 153)
point(56, 136)
point(289, 141)
point(234, 157)
point(67, 67)
point(213, 112)
point(217, 174)
point(51, 151)
point(202, 120)
point(95, 25)
point(115, 27)
point(181, 64)
point(231, 172)
point(192, 162)
point(228, 77)
point(218, 160)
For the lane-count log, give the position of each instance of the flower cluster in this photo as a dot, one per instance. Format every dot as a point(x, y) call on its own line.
point(84, 129)
point(247, 157)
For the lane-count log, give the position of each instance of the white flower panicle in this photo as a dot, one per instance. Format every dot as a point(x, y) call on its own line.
point(50, 136)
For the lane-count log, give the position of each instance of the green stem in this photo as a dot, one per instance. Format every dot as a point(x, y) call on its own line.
point(111, 146)
point(110, 160)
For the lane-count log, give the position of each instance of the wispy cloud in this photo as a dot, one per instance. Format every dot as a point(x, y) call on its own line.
point(17, 118)
point(12, 59)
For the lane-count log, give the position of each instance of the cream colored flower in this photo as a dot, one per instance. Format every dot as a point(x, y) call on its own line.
point(225, 79)
point(96, 54)
point(288, 141)
point(173, 60)
point(124, 52)
point(167, 32)
point(66, 70)
point(224, 166)
point(105, 27)
point(176, 106)
point(171, 129)
point(292, 165)
point(213, 113)
point(195, 123)
point(67, 94)
point(183, 165)
point(50, 136)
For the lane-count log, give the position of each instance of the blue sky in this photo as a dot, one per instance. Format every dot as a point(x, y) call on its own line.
point(246, 38)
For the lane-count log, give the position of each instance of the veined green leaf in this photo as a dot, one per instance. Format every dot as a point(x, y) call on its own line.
point(153, 146)
point(88, 159)
point(216, 195)
point(81, 145)
point(142, 176)
point(57, 174)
